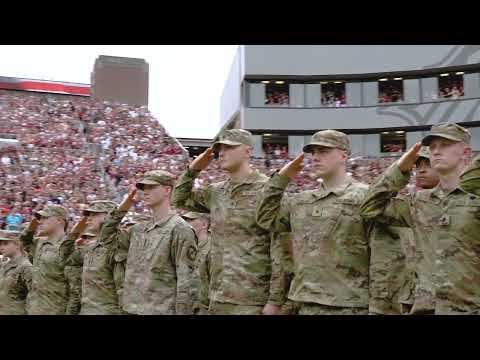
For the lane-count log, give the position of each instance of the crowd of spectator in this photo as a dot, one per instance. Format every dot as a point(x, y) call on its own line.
point(277, 98)
point(390, 94)
point(275, 151)
point(451, 89)
point(72, 150)
point(334, 98)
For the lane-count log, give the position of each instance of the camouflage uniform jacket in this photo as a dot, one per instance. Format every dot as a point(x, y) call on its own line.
point(100, 291)
point(470, 179)
point(160, 276)
point(330, 243)
point(391, 269)
point(15, 283)
point(243, 268)
point(445, 227)
point(50, 291)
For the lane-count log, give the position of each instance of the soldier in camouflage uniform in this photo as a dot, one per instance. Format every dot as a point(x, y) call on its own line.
point(392, 255)
point(200, 222)
point(15, 275)
point(126, 220)
point(159, 275)
point(330, 243)
point(245, 275)
point(99, 290)
point(445, 221)
point(50, 293)
point(470, 179)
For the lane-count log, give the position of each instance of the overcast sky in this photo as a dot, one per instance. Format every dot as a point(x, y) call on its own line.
point(186, 82)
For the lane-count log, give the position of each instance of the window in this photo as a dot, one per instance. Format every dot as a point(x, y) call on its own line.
point(333, 94)
point(276, 92)
point(390, 91)
point(450, 85)
point(275, 146)
point(393, 141)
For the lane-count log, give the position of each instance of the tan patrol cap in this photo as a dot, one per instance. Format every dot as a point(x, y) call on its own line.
point(191, 215)
point(424, 152)
point(7, 235)
point(53, 210)
point(99, 206)
point(450, 131)
point(328, 138)
point(234, 137)
point(156, 177)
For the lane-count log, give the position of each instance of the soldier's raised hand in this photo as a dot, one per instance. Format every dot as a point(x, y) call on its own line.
point(33, 226)
point(128, 202)
point(293, 167)
point(80, 226)
point(408, 160)
point(202, 160)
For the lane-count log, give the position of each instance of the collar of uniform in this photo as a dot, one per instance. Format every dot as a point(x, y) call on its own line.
point(160, 221)
point(56, 240)
point(439, 193)
point(250, 179)
point(13, 262)
point(338, 190)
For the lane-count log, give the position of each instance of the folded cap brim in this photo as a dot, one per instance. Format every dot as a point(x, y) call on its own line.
point(217, 144)
point(429, 138)
point(42, 213)
point(309, 147)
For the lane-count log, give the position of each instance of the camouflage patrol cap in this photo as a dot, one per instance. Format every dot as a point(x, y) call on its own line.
point(53, 210)
point(156, 177)
point(424, 152)
point(88, 233)
point(234, 137)
point(191, 215)
point(99, 206)
point(133, 218)
point(450, 131)
point(328, 138)
point(6, 235)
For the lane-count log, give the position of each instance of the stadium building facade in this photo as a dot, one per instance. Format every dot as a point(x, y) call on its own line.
point(384, 97)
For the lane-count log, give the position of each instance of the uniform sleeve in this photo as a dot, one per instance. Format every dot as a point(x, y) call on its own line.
point(380, 203)
point(26, 277)
point(184, 252)
point(109, 228)
point(120, 261)
point(185, 197)
point(67, 248)
point(278, 280)
point(272, 213)
point(470, 179)
point(28, 243)
point(73, 274)
point(204, 283)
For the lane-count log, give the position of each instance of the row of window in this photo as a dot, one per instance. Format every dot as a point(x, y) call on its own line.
point(275, 146)
point(333, 93)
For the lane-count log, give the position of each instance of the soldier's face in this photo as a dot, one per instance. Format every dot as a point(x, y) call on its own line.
point(95, 220)
point(8, 248)
point(427, 177)
point(49, 224)
point(198, 225)
point(232, 157)
point(154, 195)
point(447, 155)
point(326, 161)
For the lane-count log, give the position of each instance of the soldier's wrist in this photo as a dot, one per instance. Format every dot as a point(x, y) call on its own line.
point(281, 180)
point(193, 172)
